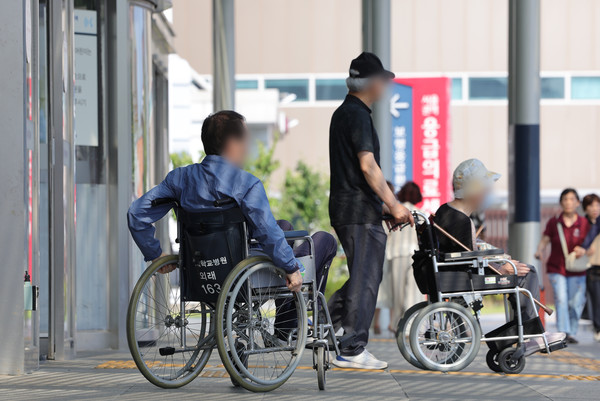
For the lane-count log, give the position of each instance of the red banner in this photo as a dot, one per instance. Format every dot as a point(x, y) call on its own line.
point(431, 168)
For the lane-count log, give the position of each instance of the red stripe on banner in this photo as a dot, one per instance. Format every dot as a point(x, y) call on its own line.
point(30, 213)
point(431, 139)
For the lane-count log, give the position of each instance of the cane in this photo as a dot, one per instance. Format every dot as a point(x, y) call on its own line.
point(546, 308)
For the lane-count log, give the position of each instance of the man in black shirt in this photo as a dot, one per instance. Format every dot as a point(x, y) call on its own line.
point(358, 188)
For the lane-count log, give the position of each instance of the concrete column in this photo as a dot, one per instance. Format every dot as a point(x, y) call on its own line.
point(223, 55)
point(12, 179)
point(376, 25)
point(524, 129)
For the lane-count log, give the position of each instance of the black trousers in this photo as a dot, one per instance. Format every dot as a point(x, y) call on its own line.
point(593, 293)
point(353, 306)
point(530, 282)
point(324, 252)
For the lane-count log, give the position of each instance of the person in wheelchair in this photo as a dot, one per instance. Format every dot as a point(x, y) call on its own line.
point(220, 175)
point(472, 183)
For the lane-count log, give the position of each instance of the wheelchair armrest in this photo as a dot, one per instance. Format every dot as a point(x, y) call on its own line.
point(456, 256)
point(295, 234)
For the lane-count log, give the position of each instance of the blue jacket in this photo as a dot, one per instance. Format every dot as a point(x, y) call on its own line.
point(196, 187)
point(592, 234)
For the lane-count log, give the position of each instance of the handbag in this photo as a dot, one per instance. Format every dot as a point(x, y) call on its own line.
point(573, 264)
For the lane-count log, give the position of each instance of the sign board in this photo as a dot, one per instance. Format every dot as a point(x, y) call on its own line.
point(86, 78)
point(421, 139)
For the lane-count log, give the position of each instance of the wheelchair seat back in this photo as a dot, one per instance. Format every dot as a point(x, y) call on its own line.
point(423, 271)
point(212, 243)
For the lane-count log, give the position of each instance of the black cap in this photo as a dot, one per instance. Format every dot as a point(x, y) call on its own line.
point(368, 65)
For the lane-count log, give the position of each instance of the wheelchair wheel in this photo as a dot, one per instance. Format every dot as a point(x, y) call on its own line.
point(507, 364)
point(320, 356)
point(257, 311)
point(445, 337)
point(170, 348)
point(491, 358)
point(403, 333)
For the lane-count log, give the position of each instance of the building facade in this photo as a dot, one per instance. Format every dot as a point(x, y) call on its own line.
point(304, 48)
point(85, 111)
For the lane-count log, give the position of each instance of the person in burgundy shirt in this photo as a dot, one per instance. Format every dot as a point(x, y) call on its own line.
point(568, 287)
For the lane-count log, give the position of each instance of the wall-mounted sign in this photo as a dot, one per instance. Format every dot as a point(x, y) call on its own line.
point(86, 78)
point(420, 137)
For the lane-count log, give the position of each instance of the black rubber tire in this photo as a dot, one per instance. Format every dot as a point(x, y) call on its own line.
point(233, 281)
point(462, 359)
point(506, 366)
point(200, 357)
point(491, 358)
point(321, 367)
point(401, 340)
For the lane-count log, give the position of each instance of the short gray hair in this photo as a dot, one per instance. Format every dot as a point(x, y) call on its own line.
point(357, 84)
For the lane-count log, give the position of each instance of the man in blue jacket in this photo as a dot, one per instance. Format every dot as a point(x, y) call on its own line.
point(220, 175)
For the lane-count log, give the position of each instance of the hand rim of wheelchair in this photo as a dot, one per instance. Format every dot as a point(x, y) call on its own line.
point(463, 359)
point(234, 366)
point(199, 358)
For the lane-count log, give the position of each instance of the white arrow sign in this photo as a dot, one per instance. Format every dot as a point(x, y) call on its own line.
point(396, 106)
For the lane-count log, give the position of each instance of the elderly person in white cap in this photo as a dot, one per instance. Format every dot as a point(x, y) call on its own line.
point(472, 183)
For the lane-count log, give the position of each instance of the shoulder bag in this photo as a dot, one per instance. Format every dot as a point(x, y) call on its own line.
point(572, 263)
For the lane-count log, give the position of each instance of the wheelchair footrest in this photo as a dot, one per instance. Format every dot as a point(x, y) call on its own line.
point(166, 351)
point(312, 345)
point(555, 347)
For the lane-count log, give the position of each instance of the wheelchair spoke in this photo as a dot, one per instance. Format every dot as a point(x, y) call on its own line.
point(157, 326)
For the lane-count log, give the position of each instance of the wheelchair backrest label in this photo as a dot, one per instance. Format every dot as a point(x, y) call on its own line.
point(490, 280)
point(211, 262)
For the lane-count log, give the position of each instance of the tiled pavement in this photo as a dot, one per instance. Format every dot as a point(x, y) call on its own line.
point(572, 374)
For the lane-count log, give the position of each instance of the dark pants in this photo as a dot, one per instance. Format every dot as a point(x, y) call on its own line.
point(593, 292)
point(529, 282)
point(353, 306)
point(324, 252)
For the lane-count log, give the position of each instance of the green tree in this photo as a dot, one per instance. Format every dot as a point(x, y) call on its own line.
point(264, 164)
point(180, 159)
point(304, 199)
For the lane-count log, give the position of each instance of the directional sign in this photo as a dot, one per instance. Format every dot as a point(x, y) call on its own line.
point(420, 137)
point(401, 111)
point(396, 105)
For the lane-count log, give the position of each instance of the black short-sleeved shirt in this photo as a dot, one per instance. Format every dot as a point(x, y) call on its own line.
point(352, 201)
point(457, 224)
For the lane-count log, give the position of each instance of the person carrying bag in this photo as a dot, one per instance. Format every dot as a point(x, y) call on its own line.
point(573, 263)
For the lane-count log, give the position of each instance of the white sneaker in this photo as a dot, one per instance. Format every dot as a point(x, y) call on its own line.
point(597, 336)
point(364, 360)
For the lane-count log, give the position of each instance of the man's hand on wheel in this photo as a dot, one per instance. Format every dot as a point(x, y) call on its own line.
point(166, 268)
point(294, 281)
point(401, 215)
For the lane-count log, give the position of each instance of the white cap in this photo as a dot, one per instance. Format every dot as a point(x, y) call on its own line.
point(472, 177)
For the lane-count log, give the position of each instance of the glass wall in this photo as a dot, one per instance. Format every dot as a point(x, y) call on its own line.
point(330, 89)
point(142, 123)
point(585, 88)
point(298, 87)
point(91, 171)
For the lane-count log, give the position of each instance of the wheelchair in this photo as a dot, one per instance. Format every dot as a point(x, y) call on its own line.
point(444, 333)
point(219, 296)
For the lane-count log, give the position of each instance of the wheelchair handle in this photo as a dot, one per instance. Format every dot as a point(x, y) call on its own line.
point(164, 201)
point(224, 201)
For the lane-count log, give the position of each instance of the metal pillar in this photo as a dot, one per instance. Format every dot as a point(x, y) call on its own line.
point(524, 128)
point(12, 167)
point(376, 38)
point(223, 55)
point(120, 163)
